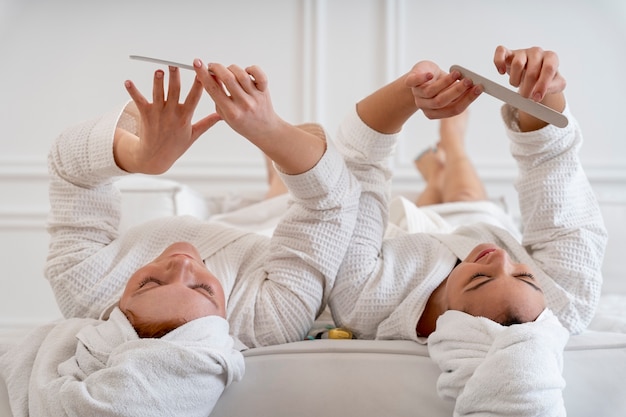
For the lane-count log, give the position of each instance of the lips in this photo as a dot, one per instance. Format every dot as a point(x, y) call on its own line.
point(483, 253)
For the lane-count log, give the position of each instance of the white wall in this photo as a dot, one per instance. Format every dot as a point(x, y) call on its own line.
point(64, 61)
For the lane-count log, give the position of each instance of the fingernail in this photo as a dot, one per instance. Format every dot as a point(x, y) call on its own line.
point(127, 84)
point(197, 63)
point(159, 74)
point(537, 97)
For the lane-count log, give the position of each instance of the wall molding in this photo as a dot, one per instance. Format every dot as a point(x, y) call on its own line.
point(14, 170)
point(313, 40)
point(608, 182)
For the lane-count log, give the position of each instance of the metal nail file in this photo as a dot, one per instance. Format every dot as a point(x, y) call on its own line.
point(161, 61)
point(514, 99)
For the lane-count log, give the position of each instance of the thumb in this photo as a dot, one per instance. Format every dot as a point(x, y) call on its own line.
point(201, 126)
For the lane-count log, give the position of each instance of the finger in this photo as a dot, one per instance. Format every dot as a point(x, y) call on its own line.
point(547, 77)
point(194, 95)
point(157, 88)
point(421, 73)
point(135, 95)
point(173, 90)
point(417, 79)
point(457, 106)
point(260, 79)
point(446, 89)
point(500, 58)
point(209, 80)
point(237, 82)
point(204, 124)
point(516, 67)
point(459, 96)
point(244, 82)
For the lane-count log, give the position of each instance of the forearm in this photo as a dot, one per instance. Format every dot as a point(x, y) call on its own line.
point(528, 123)
point(85, 205)
point(294, 150)
point(387, 109)
point(366, 153)
point(305, 252)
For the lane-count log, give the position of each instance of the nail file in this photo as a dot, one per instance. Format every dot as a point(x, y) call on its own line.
point(514, 99)
point(161, 61)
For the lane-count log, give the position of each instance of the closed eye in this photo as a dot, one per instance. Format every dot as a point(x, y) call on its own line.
point(487, 279)
point(525, 277)
point(204, 287)
point(478, 275)
point(149, 280)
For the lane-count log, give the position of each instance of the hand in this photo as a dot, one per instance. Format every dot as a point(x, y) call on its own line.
point(166, 130)
point(534, 71)
point(536, 74)
point(439, 94)
point(242, 100)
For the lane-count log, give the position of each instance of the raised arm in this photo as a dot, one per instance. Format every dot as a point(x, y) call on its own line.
point(83, 163)
point(563, 229)
point(367, 139)
point(297, 272)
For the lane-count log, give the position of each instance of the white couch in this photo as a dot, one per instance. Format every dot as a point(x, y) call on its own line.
point(332, 377)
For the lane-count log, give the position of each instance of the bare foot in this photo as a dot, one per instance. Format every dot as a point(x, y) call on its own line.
point(430, 163)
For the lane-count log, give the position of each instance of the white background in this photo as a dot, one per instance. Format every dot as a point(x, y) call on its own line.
point(66, 61)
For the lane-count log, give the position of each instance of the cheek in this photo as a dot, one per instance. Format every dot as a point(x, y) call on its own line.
point(454, 289)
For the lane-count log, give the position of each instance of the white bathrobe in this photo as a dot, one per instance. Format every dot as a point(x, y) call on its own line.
point(275, 287)
point(384, 283)
point(89, 367)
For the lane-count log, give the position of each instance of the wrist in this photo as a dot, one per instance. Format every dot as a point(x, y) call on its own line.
point(528, 123)
point(124, 144)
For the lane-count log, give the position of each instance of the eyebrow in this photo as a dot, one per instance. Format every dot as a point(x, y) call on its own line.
point(487, 281)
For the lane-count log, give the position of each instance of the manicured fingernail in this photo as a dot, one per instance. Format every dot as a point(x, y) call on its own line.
point(537, 97)
point(197, 63)
point(467, 82)
point(127, 84)
point(159, 74)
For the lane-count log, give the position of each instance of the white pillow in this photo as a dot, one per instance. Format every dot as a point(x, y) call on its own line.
point(145, 198)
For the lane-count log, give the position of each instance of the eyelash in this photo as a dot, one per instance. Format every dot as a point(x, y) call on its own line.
point(477, 275)
point(147, 280)
point(523, 274)
point(205, 287)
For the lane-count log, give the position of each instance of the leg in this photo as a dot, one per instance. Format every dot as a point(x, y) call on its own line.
point(430, 165)
point(449, 174)
point(460, 180)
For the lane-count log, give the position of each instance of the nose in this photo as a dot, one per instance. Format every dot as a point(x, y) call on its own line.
point(501, 263)
point(179, 269)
